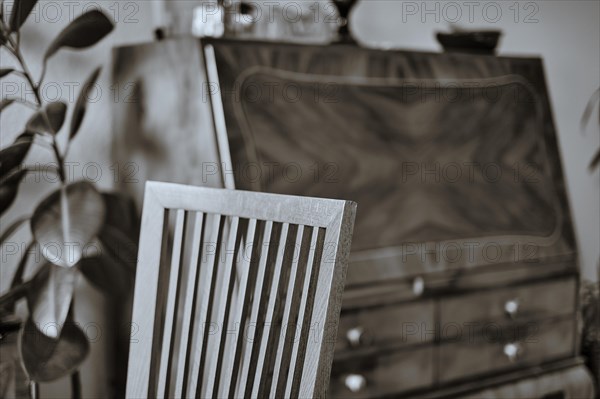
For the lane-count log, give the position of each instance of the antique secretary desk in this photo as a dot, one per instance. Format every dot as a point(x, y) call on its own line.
point(463, 277)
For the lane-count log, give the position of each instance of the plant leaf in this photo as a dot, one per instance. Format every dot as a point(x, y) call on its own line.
point(21, 10)
point(25, 137)
point(589, 108)
point(49, 297)
point(113, 269)
point(48, 120)
point(11, 173)
point(106, 274)
point(81, 104)
point(9, 189)
point(5, 71)
point(17, 279)
point(85, 31)
point(5, 103)
point(66, 221)
point(47, 359)
point(14, 226)
point(595, 161)
point(122, 214)
point(11, 157)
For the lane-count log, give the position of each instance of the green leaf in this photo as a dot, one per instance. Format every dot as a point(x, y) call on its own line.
point(49, 297)
point(9, 189)
point(5, 103)
point(21, 10)
point(66, 221)
point(48, 120)
point(14, 226)
point(11, 157)
point(81, 104)
point(47, 359)
point(85, 31)
point(5, 71)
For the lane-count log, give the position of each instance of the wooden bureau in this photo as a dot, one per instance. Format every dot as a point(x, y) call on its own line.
point(463, 277)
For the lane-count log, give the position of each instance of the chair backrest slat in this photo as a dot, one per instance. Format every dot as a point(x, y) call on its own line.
point(254, 332)
point(246, 272)
point(224, 306)
point(305, 308)
point(191, 293)
point(207, 279)
point(237, 293)
point(171, 306)
point(290, 311)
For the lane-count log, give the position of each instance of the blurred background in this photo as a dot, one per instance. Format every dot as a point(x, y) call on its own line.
point(565, 34)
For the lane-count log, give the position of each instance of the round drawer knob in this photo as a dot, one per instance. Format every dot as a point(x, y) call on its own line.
point(511, 307)
point(418, 286)
point(355, 382)
point(512, 351)
point(354, 336)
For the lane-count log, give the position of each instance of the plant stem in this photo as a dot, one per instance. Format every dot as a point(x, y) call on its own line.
point(76, 385)
point(14, 49)
point(34, 390)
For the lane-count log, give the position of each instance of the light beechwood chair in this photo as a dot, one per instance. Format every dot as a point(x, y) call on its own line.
point(237, 293)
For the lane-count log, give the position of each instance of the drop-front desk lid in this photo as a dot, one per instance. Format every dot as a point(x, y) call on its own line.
point(452, 158)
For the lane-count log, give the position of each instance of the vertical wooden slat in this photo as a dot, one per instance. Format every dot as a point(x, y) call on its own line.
point(161, 300)
point(267, 252)
point(144, 325)
point(204, 305)
point(328, 299)
point(172, 299)
point(224, 303)
point(290, 311)
point(263, 355)
point(244, 273)
point(188, 306)
point(306, 305)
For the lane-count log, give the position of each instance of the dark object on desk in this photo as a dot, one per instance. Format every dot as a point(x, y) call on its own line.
point(344, 8)
point(477, 42)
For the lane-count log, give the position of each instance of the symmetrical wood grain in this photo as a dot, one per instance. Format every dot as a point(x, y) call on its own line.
point(242, 299)
point(440, 150)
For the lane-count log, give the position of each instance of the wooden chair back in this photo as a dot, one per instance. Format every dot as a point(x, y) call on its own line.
point(237, 293)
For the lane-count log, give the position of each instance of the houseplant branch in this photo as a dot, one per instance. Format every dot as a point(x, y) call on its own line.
point(76, 213)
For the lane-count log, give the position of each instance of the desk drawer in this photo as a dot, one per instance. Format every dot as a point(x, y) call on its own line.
point(385, 374)
point(487, 352)
point(531, 301)
point(398, 324)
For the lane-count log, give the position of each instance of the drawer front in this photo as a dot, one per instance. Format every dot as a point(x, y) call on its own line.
point(371, 377)
point(494, 348)
point(397, 324)
point(538, 300)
